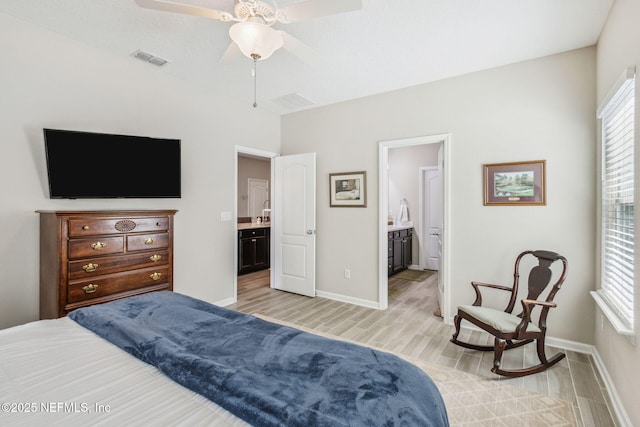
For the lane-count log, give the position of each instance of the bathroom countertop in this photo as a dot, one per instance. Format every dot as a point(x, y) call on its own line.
point(397, 227)
point(246, 225)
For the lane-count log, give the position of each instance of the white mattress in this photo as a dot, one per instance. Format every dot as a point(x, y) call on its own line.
point(66, 375)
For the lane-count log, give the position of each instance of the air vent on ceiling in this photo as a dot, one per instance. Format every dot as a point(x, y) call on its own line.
point(294, 101)
point(150, 58)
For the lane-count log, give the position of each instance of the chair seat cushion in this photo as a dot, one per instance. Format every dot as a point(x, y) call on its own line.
point(497, 319)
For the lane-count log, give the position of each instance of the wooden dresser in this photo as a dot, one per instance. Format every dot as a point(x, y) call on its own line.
point(91, 257)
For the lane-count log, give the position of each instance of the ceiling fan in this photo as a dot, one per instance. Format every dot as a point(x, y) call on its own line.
point(253, 31)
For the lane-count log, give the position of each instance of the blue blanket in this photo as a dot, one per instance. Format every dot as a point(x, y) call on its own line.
point(264, 373)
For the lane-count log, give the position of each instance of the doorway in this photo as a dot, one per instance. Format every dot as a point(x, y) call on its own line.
point(291, 233)
point(253, 190)
point(385, 205)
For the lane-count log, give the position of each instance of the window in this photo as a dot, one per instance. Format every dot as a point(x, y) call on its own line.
point(616, 294)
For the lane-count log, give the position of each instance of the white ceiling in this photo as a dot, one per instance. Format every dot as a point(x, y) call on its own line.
point(387, 45)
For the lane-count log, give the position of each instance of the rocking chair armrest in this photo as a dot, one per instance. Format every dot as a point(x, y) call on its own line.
point(530, 302)
point(476, 288)
point(491, 285)
point(527, 305)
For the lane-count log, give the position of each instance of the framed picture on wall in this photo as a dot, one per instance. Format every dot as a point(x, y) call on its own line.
point(348, 189)
point(517, 183)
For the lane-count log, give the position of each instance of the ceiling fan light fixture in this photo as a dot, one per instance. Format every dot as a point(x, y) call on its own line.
point(255, 39)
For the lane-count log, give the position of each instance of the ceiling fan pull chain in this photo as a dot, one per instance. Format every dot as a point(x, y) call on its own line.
point(255, 79)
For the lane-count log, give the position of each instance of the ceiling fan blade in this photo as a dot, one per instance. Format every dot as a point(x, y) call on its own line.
point(167, 6)
point(316, 8)
point(231, 54)
point(301, 50)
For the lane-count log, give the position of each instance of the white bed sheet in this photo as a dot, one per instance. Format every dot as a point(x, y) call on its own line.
point(67, 375)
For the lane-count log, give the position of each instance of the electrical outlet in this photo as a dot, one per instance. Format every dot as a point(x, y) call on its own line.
point(226, 216)
point(347, 273)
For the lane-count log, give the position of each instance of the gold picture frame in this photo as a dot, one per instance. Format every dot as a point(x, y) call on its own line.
point(515, 183)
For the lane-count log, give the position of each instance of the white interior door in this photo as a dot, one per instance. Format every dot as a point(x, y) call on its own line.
point(294, 224)
point(258, 194)
point(433, 218)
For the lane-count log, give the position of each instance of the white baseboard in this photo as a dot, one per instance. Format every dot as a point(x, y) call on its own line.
point(225, 302)
point(618, 409)
point(350, 300)
point(578, 347)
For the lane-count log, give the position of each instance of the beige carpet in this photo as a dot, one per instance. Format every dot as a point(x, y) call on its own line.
point(475, 401)
point(413, 275)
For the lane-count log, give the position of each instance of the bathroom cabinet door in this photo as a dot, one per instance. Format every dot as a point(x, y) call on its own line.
point(406, 250)
point(400, 250)
point(253, 250)
point(398, 263)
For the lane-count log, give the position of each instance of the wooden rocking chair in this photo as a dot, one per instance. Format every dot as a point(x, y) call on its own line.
point(511, 330)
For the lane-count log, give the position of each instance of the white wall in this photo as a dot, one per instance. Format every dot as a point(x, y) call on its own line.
point(51, 81)
point(617, 50)
point(541, 109)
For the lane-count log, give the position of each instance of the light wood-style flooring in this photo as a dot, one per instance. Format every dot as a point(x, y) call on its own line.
point(409, 327)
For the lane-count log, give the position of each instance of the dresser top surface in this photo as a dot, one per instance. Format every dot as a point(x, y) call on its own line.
point(108, 213)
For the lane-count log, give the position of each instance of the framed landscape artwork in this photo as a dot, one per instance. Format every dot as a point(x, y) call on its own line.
point(518, 183)
point(348, 189)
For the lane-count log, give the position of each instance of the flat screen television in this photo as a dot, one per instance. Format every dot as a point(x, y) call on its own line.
point(98, 165)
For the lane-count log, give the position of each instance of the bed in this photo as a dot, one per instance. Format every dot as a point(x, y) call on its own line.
point(348, 195)
point(167, 359)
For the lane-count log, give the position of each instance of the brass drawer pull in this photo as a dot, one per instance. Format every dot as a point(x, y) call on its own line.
point(90, 288)
point(98, 246)
point(90, 267)
point(85, 227)
point(148, 241)
point(155, 258)
point(155, 276)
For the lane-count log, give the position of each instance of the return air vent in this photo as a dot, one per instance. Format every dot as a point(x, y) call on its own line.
point(294, 101)
point(148, 57)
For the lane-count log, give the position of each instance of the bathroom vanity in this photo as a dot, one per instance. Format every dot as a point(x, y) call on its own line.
point(400, 240)
point(254, 241)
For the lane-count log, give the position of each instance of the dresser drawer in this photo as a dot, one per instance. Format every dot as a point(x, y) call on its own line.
point(110, 285)
point(145, 242)
point(87, 248)
point(92, 267)
point(95, 226)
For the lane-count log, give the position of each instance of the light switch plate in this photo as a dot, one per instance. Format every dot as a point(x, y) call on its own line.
point(225, 216)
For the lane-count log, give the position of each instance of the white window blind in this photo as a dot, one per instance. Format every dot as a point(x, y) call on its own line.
point(618, 183)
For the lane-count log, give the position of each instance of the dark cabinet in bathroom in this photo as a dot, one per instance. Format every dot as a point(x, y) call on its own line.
point(253, 249)
point(399, 250)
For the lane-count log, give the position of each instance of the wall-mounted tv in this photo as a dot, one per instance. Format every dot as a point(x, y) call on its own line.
point(98, 165)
